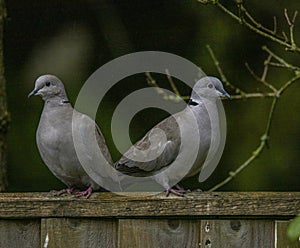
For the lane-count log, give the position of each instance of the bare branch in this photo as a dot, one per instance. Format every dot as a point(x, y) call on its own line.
point(257, 27)
point(285, 36)
point(287, 17)
point(252, 95)
point(279, 59)
point(266, 68)
point(293, 68)
point(255, 154)
point(288, 84)
point(152, 82)
point(294, 17)
point(173, 86)
point(291, 26)
point(275, 95)
point(282, 63)
point(245, 18)
point(257, 24)
point(222, 75)
point(262, 79)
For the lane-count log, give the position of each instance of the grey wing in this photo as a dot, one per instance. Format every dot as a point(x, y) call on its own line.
point(89, 139)
point(86, 131)
point(166, 149)
point(102, 144)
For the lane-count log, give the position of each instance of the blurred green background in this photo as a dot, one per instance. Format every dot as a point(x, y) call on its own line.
point(71, 39)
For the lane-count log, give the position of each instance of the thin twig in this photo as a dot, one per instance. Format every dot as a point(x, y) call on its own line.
point(287, 17)
point(256, 23)
point(264, 137)
point(288, 84)
point(273, 37)
point(245, 18)
point(291, 26)
point(255, 153)
point(152, 82)
point(221, 73)
point(173, 86)
point(266, 68)
point(285, 36)
point(292, 68)
point(270, 119)
point(294, 17)
point(233, 174)
point(262, 79)
point(279, 59)
point(252, 95)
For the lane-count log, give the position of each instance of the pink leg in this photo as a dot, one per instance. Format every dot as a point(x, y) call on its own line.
point(181, 189)
point(62, 191)
point(87, 193)
point(173, 191)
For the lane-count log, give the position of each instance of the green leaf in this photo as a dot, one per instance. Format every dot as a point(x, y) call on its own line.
point(293, 231)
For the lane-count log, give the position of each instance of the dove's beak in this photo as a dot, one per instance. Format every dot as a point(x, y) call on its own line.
point(32, 93)
point(224, 94)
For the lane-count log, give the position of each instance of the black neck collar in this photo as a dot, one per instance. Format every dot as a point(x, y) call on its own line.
point(192, 102)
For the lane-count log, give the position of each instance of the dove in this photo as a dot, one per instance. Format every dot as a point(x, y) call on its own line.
point(202, 107)
point(54, 137)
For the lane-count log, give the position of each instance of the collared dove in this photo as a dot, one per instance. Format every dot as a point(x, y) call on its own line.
point(54, 136)
point(202, 107)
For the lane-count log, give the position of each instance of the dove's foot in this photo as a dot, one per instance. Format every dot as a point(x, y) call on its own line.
point(181, 189)
point(62, 191)
point(87, 193)
point(173, 191)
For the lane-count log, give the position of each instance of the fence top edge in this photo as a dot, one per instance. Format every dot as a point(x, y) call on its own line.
point(274, 205)
point(134, 196)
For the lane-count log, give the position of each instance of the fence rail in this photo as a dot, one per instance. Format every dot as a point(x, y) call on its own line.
point(221, 219)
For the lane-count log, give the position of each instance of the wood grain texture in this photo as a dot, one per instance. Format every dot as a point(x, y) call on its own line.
point(237, 233)
point(163, 233)
point(281, 239)
point(19, 233)
point(105, 204)
point(78, 233)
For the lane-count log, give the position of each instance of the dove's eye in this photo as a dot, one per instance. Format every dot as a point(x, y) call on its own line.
point(47, 84)
point(210, 86)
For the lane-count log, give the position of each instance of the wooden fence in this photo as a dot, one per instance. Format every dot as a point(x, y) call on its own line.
point(224, 219)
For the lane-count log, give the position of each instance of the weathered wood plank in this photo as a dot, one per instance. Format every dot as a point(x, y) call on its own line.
point(282, 239)
point(19, 233)
point(159, 233)
point(263, 204)
point(78, 233)
point(237, 233)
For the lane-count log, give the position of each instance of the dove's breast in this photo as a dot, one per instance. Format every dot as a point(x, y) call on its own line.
point(54, 136)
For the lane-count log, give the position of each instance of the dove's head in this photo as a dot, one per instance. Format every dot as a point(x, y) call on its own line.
point(209, 88)
point(49, 86)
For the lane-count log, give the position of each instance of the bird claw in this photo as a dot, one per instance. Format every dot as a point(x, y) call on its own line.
point(174, 191)
point(181, 189)
point(62, 191)
point(87, 193)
